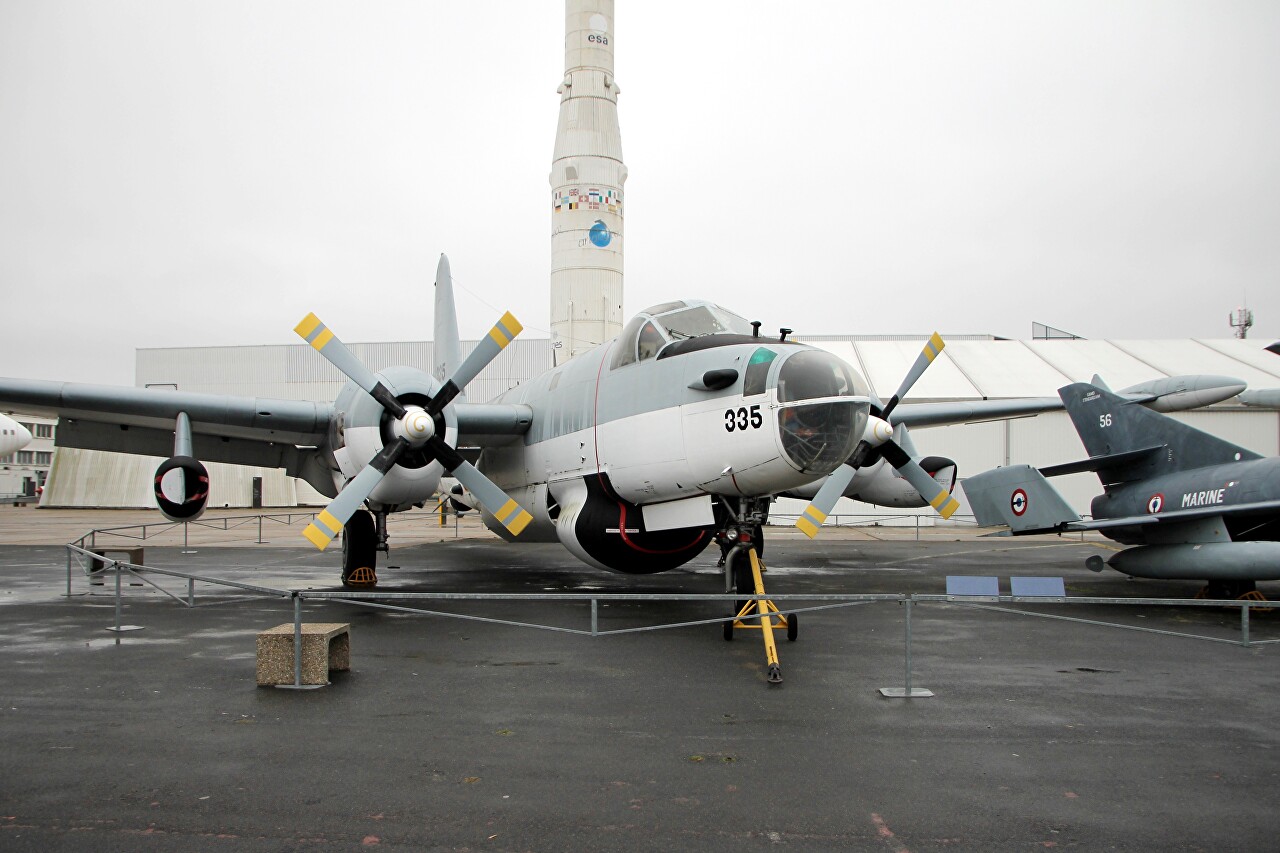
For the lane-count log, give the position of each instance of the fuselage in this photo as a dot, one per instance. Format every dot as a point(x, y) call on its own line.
point(656, 418)
point(13, 436)
point(1229, 485)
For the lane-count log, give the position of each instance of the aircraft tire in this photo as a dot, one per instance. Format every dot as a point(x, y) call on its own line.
point(793, 627)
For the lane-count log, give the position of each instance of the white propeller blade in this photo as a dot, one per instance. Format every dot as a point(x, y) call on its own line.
point(326, 343)
point(334, 517)
point(820, 507)
point(513, 516)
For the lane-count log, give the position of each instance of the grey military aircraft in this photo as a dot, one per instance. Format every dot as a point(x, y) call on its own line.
point(1197, 507)
point(635, 455)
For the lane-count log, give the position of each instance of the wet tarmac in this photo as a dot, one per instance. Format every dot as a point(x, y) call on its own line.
point(465, 735)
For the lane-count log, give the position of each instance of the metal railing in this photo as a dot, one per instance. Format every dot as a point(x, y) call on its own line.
point(787, 603)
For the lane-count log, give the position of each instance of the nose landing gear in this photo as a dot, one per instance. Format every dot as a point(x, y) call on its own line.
point(743, 568)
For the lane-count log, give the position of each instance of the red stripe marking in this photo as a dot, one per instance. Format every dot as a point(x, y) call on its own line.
point(622, 529)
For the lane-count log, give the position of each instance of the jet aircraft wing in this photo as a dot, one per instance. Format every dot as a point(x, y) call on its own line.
point(1178, 516)
point(972, 411)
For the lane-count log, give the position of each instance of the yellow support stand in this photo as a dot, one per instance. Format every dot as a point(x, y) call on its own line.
point(768, 619)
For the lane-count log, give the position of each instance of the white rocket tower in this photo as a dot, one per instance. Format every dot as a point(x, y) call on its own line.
point(587, 174)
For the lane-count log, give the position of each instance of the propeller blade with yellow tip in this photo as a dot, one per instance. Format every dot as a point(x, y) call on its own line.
point(334, 517)
point(820, 507)
point(932, 491)
point(513, 517)
point(502, 334)
point(325, 342)
point(932, 348)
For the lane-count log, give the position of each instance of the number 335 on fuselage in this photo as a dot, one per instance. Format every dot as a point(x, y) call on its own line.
point(629, 442)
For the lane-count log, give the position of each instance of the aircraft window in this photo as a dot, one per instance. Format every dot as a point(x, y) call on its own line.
point(694, 322)
point(810, 375)
point(650, 341)
point(664, 308)
point(758, 371)
point(624, 349)
point(818, 436)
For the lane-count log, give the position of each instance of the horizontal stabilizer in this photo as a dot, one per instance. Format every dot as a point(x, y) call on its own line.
point(1019, 497)
point(1110, 462)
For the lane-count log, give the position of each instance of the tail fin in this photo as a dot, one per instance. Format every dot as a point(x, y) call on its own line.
point(448, 351)
point(1110, 426)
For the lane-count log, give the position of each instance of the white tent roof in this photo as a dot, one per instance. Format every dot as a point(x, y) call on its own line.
point(977, 369)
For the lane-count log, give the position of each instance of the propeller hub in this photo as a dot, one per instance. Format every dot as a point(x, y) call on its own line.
point(878, 431)
point(416, 426)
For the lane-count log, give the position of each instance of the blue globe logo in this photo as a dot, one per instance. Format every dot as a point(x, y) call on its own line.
point(599, 234)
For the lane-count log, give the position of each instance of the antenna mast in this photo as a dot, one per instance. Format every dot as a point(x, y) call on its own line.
point(1241, 320)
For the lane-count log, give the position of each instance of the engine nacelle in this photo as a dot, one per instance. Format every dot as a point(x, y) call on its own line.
point(879, 484)
point(460, 500)
point(182, 488)
point(886, 488)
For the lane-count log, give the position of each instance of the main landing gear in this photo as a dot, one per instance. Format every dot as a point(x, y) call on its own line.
point(743, 543)
point(362, 538)
point(1231, 591)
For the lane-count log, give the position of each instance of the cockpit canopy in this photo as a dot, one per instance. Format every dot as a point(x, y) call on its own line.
point(655, 327)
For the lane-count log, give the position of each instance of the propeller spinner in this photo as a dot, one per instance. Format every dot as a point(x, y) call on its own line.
point(413, 427)
point(879, 438)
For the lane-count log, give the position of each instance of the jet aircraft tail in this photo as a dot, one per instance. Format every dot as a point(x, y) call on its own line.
point(1127, 441)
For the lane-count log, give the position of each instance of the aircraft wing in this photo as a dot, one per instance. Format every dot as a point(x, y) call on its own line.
point(1180, 515)
point(1173, 394)
point(237, 430)
point(972, 411)
point(248, 418)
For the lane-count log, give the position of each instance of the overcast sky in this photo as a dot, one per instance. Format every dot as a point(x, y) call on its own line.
point(201, 174)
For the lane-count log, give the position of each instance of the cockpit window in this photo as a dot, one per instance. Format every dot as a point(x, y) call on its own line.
point(758, 371)
point(651, 330)
point(703, 320)
point(640, 340)
point(650, 341)
point(624, 349)
point(664, 308)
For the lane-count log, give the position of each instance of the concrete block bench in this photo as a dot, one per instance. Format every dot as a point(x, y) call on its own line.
point(325, 646)
point(132, 555)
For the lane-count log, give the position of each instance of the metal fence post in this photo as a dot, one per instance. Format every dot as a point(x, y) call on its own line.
point(1244, 624)
point(297, 640)
point(908, 678)
point(594, 619)
point(907, 692)
point(118, 604)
